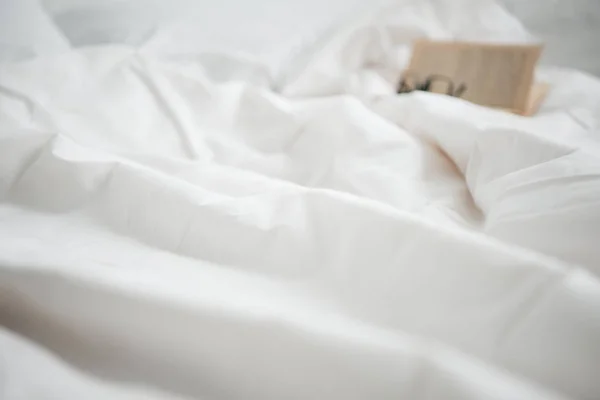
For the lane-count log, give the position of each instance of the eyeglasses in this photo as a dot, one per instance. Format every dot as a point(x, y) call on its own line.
point(412, 82)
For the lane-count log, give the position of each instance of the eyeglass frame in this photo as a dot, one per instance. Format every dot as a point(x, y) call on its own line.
point(425, 85)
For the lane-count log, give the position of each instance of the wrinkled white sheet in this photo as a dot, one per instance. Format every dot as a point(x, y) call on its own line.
point(166, 234)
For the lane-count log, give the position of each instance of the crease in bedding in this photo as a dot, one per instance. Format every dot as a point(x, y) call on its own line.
point(192, 222)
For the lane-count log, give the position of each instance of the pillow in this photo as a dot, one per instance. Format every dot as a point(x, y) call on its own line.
point(259, 31)
point(26, 31)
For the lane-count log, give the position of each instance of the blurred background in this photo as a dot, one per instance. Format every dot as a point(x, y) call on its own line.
point(570, 28)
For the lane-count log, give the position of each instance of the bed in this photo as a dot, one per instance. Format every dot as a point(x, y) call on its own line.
point(228, 200)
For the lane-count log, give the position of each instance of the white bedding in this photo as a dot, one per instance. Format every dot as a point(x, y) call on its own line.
point(180, 223)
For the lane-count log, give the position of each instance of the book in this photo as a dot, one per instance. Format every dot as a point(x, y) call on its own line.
point(494, 75)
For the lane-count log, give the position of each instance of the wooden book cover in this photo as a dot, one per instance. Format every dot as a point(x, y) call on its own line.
point(493, 75)
point(537, 94)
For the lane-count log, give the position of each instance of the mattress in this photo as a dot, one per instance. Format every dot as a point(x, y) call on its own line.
point(196, 208)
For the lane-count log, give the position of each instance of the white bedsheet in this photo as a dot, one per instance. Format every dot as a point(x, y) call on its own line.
point(165, 233)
